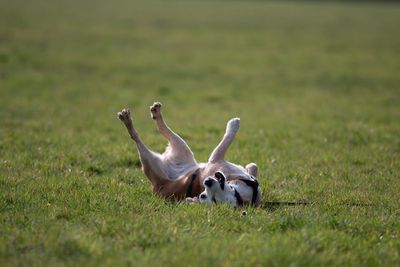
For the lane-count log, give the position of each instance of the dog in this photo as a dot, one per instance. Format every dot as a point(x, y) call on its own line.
point(176, 174)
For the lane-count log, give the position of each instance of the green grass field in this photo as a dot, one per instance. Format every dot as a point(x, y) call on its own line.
point(317, 88)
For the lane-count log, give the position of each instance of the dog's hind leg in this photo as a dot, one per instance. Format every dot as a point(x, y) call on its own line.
point(232, 128)
point(178, 150)
point(152, 163)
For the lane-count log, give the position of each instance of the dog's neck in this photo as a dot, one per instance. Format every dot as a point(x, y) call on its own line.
point(189, 186)
point(192, 184)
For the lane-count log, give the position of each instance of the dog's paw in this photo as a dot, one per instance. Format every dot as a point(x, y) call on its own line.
point(192, 200)
point(125, 116)
point(233, 125)
point(155, 110)
point(252, 169)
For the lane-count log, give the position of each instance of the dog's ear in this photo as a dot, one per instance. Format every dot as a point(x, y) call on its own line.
point(221, 179)
point(220, 176)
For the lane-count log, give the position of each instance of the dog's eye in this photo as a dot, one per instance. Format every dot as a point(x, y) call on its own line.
point(203, 196)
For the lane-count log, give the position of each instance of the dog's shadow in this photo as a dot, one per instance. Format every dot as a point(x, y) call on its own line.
point(275, 205)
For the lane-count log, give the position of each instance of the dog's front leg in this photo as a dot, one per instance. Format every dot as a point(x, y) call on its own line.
point(232, 128)
point(252, 169)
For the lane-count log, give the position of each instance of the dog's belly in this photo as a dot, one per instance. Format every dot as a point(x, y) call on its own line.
point(176, 170)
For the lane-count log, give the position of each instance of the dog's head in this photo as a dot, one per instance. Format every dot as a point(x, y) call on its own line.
point(235, 192)
point(216, 183)
point(214, 189)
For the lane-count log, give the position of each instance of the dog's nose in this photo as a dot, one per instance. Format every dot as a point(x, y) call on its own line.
point(203, 196)
point(208, 182)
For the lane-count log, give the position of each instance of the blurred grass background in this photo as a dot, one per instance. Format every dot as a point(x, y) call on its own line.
point(316, 85)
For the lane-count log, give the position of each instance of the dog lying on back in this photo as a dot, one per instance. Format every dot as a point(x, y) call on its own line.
point(176, 173)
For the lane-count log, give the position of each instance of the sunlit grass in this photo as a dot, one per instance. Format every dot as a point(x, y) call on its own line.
point(316, 86)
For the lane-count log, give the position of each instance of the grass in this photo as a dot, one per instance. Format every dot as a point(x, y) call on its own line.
point(315, 84)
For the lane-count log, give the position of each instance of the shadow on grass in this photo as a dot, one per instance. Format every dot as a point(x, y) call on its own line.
point(275, 205)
